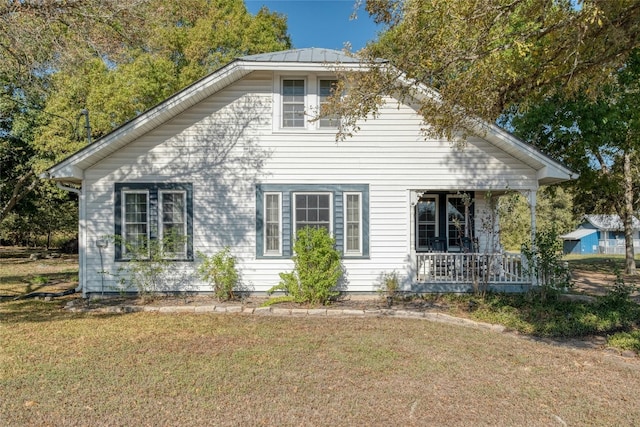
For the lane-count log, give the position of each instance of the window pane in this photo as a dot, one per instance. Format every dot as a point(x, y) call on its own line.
point(173, 223)
point(293, 93)
point(272, 223)
point(457, 221)
point(426, 214)
point(326, 89)
point(313, 210)
point(135, 223)
point(352, 229)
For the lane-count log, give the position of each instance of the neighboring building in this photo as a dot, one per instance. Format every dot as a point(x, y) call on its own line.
point(600, 234)
point(233, 160)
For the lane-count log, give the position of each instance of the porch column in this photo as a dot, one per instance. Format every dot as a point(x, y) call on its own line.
point(532, 207)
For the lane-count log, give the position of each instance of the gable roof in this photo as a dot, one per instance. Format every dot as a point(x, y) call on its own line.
point(610, 222)
point(70, 170)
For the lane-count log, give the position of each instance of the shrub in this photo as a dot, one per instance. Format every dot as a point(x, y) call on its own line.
point(544, 259)
point(147, 269)
point(626, 340)
point(220, 271)
point(317, 269)
point(389, 285)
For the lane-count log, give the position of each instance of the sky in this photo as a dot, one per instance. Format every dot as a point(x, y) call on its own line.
point(322, 23)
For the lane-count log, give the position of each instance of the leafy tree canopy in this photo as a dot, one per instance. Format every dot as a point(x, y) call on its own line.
point(114, 58)
point(484, 56)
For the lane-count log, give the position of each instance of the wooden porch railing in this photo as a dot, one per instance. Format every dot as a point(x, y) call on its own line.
point(442, 267)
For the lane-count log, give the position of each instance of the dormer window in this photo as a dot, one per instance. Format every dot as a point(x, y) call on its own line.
point(298, 101)
point(325, 90)
point(293, 95)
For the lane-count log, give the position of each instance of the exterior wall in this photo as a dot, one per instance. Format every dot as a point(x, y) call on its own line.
point(226, 145)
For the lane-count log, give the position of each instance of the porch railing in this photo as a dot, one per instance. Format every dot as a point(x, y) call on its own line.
point(441, 267)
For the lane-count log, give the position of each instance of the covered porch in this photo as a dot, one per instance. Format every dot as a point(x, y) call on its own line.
point(455, 243)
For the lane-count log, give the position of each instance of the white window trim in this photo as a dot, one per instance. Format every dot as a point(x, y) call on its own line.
point(417, 222)
point(295, 219)
point(311, 103)
point(264, 203)
point(161, 194)
point(345, 196)
point(124, 220)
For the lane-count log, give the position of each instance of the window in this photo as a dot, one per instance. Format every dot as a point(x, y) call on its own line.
point(173, 227)
point(325, 90)
point(283, 209)
point(272, 224)
point(135, 233)
point(352, 224)
point(312, 210)
point(426, 223)
point(147, 212)
point(458, 222)
point(293, 103)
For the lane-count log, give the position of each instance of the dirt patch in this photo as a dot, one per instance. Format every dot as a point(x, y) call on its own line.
point(598, 283)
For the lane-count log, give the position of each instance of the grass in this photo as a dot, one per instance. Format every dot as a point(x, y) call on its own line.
point(19, 275)
point(61, 368)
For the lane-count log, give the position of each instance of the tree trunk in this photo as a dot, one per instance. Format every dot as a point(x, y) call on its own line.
point(627, 217)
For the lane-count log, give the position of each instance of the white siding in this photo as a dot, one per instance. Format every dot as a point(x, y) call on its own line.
point(225, 145)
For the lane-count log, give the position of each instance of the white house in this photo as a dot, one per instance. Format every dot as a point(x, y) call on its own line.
point(234, 160)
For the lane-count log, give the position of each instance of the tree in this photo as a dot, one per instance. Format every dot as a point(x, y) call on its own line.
point(115, 58)
point(597, 138)
point(554, 210)
point(184, 42)
point(482, 57)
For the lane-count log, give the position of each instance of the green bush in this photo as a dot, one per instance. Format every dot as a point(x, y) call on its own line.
point(220, 271)
point(317, 269)
point(556, 318)
point(147, 269)
point(626, 340)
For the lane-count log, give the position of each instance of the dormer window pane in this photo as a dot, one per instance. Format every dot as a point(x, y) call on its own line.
point(293, 92)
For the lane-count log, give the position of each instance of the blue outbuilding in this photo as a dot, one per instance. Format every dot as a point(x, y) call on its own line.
point(599, 234)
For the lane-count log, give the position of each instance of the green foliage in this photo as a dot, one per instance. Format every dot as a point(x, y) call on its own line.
point(389, 284)
point(554, 209)
point(544, 259)
point(626, 340)
point(596, 136)
point(484, 56)
point(556, 318)
point(317, 268)
point(220, 271)
point(115, 58)
point(148, 269)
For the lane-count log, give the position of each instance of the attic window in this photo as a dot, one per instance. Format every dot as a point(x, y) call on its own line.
point(293, 94)
point(325, 90)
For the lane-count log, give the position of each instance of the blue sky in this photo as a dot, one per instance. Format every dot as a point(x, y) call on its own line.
point(322, 23)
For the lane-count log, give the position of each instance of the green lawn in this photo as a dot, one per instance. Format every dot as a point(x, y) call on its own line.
point(61, 368)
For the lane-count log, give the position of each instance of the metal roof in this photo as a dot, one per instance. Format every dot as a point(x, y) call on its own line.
point(578, 234)
point(610, 222)
point(312, 54)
